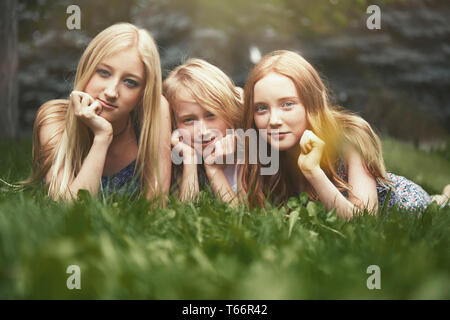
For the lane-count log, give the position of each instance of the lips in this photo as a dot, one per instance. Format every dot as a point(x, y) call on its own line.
point(207, 142)
point(278, 135)
point(107, 105)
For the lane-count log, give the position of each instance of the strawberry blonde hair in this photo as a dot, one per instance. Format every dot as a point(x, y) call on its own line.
point(334, 125)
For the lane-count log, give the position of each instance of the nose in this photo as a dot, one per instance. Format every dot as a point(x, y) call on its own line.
point(111, 92)
point(200, 130)
point(203, 129)
point(275, 120)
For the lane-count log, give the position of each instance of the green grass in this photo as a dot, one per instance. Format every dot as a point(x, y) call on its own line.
point(130, 249)
point(431, 170)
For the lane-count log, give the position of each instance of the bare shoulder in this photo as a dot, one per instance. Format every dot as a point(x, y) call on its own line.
point(355, 165)
point(352, 156)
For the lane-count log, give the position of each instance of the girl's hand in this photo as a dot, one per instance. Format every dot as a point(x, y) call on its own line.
point(311, 148)
point(216, 155)
point(184, 150)
point(88, 110)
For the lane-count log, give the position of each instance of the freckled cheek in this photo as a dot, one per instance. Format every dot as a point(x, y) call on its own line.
point(261, 122)
point(299, 122)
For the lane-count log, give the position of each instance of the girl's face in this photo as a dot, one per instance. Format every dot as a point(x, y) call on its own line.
point(203, 126)
point(279, 110)
point(118, 84)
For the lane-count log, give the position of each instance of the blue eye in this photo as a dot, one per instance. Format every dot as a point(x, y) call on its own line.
point(131, 83)
point(210, 115)
point(260, 108)
point(188, 120)
point(288, 104)
point(103, 73)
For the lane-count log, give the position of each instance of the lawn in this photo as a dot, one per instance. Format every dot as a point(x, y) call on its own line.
point(131, 249)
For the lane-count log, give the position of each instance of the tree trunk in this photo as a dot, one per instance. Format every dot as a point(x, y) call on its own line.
point(8, 69)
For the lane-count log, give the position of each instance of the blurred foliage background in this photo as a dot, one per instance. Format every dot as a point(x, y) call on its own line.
point(397, 77)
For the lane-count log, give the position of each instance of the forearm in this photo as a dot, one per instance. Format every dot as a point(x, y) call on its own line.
point(164, 175)
point(162, 189)
point(189, 182)
point(91, 171)
point(221, 187)
point(329, 195)
point(165, 170)
point(164, 149)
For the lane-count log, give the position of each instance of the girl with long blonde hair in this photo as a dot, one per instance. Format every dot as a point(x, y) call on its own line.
point(326, 151)
point(114, 130)
point(205, 104)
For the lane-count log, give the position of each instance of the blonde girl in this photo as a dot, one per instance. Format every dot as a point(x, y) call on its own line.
point(204, 103)
point(114, 130)
point(326, 151)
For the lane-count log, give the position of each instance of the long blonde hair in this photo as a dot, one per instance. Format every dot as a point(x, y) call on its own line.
point(332, 124)
point(210, 87)
point(72, 140)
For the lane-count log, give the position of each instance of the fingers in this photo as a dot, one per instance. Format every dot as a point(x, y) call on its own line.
point(82, 97)
point(96, 107)
point(185, 151)
point(210, 159)
point(309, 141)
point(81, 100)
point(305, 142)
point(226, 145)
point(76, 102)
point(178, 148)
point(84, 100)
point(175, 138)
point(219, 152)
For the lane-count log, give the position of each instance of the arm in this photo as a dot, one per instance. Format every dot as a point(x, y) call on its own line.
point(214, 169)
point(329, 195)
point(362, 183)
point(220, 185)
point(91, 170)
point(189, 182)
point(189, 186)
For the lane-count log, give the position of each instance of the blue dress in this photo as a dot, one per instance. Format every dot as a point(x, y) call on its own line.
point(406, 194)
point(124, 181)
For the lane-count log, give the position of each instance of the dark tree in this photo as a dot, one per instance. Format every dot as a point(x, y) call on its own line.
point(8, 69)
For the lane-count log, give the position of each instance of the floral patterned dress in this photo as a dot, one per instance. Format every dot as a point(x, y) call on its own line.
point(123, 181)
point(406, 194)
